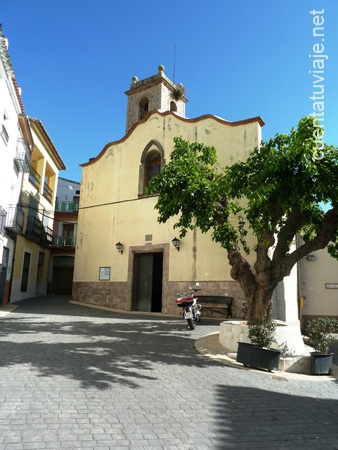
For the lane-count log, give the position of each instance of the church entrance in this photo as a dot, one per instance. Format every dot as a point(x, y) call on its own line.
point(147, 282)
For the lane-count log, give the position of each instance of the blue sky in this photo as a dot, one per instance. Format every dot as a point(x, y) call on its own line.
point(74, 59)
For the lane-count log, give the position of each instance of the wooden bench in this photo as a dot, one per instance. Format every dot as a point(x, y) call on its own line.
point(218, 303)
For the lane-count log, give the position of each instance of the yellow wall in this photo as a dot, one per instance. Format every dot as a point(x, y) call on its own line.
point(110, 210)
point(319, 299)
point(43, 163)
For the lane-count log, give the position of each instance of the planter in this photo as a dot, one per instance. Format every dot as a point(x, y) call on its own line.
point(260, 358)
point(288, 337)
point(321, 363)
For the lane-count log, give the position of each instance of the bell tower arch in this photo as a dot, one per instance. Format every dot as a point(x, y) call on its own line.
point(154, 93)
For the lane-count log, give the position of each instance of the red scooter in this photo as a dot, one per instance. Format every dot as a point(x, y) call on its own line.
point(191, 310)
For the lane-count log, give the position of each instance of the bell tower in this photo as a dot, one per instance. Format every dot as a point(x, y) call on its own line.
point(157, 92)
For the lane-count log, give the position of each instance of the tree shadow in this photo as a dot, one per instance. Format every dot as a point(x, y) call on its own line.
point(97, 348)
point(256, 418)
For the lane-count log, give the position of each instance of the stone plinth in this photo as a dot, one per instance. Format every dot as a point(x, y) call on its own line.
point(288, 338)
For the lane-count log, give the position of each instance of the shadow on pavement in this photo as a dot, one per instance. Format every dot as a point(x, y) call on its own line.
point(256, 418)
point(97, 348)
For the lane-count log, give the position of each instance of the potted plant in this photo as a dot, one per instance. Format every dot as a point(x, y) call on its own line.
point(321, 333)
point(259, 353)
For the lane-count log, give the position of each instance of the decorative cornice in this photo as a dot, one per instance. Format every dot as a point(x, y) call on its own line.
point(6, 61)
point(26, 129)
point(257, 119)
point(146, 83)
point(41, 131)
point(18, 94)
point(69, 181)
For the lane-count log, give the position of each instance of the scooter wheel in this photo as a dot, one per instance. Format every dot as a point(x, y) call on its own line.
point(191, 324)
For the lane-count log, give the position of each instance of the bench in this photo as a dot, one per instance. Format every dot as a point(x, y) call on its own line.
point(218, 303)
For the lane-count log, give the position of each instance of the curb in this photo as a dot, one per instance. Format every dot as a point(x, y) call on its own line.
point(210, 347)
point(6, 309)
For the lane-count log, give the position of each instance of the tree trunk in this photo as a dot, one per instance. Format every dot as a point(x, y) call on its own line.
point(257, 288)
point(259, 305)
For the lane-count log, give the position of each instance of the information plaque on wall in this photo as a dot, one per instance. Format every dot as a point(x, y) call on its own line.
point(331, 285)
point(104, 273)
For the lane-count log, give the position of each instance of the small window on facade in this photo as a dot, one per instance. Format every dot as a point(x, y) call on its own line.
point(41, 259)
point(25, 272)
point(173, 106)
point(143, 108)
point(3, 216)
point(153, 165)
point(4, 134)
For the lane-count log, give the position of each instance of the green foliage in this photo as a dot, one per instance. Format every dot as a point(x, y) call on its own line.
point(282, 177)
point(261, 332)
point(179, 92)
point(191, 187)
point(281, 184)
point(320, 332)
point(275, 195)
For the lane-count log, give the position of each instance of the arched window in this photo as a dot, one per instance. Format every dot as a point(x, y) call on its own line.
point(173, 106)
point(153, 165)
point(152, 161)
point(143, 108)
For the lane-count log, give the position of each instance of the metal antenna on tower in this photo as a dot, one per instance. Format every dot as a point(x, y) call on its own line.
point(174, 72)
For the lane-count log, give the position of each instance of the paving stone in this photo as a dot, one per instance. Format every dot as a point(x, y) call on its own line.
point(74, 377)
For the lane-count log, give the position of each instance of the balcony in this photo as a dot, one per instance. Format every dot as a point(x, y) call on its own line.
point(34, 177)
point(47, 192)
point(47, 237)
point(60, 241)
point(65, 206)
point(15, 219)
point(36, 232)
point(23, 156)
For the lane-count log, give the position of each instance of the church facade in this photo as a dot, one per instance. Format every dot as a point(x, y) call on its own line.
point(124, 258)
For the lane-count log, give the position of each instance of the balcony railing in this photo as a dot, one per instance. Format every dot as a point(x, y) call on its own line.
point(47, 236)
point(47, 192)
point(66, 206)
point(60, 241)
point(38, 233)
point(34, 177)
point(23, 156)
point(15, 218)
point(34, 228)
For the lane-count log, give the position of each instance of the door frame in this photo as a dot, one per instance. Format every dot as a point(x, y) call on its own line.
point(148, 248)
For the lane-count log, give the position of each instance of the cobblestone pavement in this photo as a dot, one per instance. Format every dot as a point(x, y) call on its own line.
point(73, 377)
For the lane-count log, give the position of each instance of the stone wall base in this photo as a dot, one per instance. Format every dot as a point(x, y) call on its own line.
point(118, 295)
point(107, 294)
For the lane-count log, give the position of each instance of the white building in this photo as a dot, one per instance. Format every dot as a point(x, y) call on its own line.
point(15, 149)
point(318, 286)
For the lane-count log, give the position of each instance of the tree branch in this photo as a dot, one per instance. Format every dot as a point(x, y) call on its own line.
point(287, 233)
point(282, 266)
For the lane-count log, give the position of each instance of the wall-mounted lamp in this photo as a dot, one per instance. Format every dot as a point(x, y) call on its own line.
point(310, 258)
point(176, 243)
point(119, 247)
